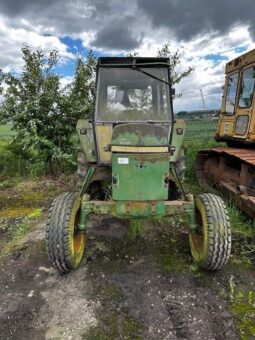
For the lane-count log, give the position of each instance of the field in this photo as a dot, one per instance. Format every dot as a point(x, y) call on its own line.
point(6, 132)
point(200, 130)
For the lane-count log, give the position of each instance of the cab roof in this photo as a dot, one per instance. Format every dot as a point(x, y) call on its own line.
point(241, 61)
point(132, 61)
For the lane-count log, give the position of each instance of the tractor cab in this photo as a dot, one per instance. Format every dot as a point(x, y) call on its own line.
point(135, 91)
point(131, 132)
point(133, 105)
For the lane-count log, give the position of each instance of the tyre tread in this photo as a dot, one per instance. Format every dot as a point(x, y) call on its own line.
point(57, 232)
point(219, 232)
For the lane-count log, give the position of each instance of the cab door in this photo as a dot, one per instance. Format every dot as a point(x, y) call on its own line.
point(226, 126)
point(244, 127)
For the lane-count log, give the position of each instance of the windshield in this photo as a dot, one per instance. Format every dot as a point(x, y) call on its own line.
point(125, 94)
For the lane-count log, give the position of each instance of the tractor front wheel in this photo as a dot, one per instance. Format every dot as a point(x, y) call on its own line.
point(211, 243)
point(65, 244)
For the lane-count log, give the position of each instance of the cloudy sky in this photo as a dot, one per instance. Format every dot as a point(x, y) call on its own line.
point(208, 33)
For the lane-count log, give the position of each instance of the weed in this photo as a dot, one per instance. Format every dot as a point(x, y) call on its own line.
point(191, 150)
point(242, 305)
point(194, 268)
point(240, 223)
point(232, 288)
point(36, 213)
point(137, 227)
point(115, 326)
point(21, 229)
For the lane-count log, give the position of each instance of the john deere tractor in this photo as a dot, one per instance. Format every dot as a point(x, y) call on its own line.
point(131, 166)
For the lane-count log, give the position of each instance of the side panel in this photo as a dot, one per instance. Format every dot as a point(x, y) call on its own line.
point(85, 132)
point(104, 137)
point(140, 177)
point(226, 126)
point(178, 137)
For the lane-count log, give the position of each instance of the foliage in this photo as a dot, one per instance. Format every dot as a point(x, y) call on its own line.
point(80, 98)
point(175, 61)
point(43, 113)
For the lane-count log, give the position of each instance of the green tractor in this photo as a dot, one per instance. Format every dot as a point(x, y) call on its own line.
point(131, 166)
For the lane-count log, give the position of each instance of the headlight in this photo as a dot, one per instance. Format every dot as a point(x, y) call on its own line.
point(241, 124)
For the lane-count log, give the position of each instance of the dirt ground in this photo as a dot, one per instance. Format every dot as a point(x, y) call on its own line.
point(134, 283)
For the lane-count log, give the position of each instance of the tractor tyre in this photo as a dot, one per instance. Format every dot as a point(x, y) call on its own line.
point(180, 164)
point(211, 243)
point(65, 244)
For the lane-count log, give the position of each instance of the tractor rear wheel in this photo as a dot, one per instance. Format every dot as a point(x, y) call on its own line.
point(211, 243)
point(65, 244)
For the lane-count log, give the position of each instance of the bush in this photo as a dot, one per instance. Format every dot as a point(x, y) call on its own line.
point(43, 114)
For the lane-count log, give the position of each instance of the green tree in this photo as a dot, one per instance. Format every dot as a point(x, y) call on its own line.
point(80, 93)
point(43, 113)
point(175, 58)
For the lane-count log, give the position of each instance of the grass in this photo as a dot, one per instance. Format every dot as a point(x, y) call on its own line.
point(242, 305)
point(11, 164)
point(6, 131)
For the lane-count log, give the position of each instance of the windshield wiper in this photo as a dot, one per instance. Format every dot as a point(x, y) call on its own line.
point(134, 67)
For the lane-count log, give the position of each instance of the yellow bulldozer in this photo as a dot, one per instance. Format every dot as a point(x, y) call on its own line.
point(231, 169)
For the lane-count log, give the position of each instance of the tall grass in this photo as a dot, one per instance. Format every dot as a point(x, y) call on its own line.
point(6, 131)
point(11, 163)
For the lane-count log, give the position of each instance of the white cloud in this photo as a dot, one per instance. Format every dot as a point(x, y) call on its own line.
point(12, 38)
point(89, 22)
point(209, 73)
point(64, 81)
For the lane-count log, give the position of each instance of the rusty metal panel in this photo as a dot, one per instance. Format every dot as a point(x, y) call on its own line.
point(245, 155)
point(139, 149)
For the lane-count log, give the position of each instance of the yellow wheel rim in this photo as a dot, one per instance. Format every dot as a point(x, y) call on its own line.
point(199, 239)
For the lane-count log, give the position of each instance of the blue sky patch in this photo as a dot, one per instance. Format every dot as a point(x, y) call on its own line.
point(215, 57)
point(241, 49)
point(76, 47)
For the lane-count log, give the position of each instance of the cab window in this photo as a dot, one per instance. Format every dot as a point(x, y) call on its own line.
point(125, 95)
point(231, 93)
point(247, 87)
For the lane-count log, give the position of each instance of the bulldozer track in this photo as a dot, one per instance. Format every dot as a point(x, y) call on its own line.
point(232, 171)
